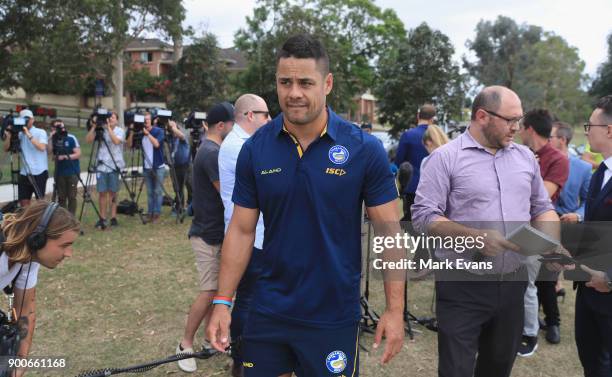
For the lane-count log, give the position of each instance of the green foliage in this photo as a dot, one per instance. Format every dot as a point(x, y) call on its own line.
point(539, 66)
point(60, 46)
point(602, 85)
point(355, 33)
point(199, 77)
point(144, 86)
point(420, 70)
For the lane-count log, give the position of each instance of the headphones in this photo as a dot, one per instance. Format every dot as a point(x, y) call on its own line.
point(38, 239)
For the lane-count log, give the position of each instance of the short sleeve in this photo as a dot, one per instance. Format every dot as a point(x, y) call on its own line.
point(379, 186)
point(211, 165)
point(245, 189)
point(120, 133)
point(159, 135)
point(75, 140)
point(557, 172)
point(41, 137)
point(28, 276)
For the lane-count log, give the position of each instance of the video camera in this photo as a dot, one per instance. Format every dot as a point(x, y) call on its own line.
point(138, 121)
point(195, 120)
point(163, 116)
point(59, 137)
point(13, 124)
point(98, 119)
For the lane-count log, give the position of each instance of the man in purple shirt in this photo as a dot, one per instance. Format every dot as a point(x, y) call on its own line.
point(482, 177)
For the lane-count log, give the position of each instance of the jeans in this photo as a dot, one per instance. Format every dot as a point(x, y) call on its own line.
point(532, 325)
point(155, 194)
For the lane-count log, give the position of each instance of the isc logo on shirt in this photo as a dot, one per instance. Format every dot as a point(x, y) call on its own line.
point(334, 171)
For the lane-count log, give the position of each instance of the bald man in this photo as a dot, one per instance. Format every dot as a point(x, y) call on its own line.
point(251, 112)
point(482, 177)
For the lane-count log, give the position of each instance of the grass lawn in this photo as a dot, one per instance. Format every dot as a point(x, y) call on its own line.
point(123, 298)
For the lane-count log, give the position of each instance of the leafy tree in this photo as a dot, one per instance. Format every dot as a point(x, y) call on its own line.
point(420, 70)
point(602, 85)
point(199, 77)
point(355, 33)
point(539, 66)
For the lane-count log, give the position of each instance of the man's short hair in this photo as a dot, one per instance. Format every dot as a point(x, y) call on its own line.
point(605, 104)
point(427, 111)
point(366, 126)
point(540, 120)
point(564, 130)
point(487, 99)
point(305, 46)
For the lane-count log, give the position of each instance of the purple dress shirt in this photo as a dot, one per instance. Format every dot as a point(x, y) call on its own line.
point(464, 182)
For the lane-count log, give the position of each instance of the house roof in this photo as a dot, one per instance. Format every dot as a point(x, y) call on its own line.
point(148, 44)
point(235, 59)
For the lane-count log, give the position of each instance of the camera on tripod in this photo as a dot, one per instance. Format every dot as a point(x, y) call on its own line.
point(195, 120)
point(59, 138)
point(163, 116)
point(13, 124)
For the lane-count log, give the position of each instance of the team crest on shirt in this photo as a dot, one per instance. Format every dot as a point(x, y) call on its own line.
point(338, 154)
point(336, 361)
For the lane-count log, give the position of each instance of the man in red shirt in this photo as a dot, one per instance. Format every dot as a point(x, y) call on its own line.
point(554, 168)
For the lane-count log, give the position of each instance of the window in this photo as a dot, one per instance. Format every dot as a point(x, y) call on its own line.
point(146, 57)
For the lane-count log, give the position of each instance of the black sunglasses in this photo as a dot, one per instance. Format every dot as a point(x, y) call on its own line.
point(587, 126)
point(265, 113)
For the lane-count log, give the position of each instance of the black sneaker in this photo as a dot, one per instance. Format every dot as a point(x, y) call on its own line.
point(553, 334)
point(528, 346)
point(114, 222)
point(101, 224)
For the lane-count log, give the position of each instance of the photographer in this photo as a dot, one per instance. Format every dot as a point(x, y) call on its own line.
point(154, 166)
point(181, 155)
point(66, 150)
point(41, 234)
point(110, 162)
point(34, 172)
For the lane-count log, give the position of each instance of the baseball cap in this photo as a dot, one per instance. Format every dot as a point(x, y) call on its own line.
point(25, 113)
point(221, 112)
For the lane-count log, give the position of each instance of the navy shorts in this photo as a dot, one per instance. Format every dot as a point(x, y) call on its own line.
point(271, 348)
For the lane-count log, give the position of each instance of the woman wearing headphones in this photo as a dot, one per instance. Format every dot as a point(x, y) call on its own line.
point(40, 234)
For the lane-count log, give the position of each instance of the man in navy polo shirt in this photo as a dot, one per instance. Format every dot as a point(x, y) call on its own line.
point(308, 171)
point(67, 152)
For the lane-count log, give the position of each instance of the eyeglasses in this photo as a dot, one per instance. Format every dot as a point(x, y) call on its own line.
point(510, 121)
point(587, 126)
point(265, 113)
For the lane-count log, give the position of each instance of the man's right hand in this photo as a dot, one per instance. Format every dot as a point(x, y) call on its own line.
point(217, 331)
point(495, 243)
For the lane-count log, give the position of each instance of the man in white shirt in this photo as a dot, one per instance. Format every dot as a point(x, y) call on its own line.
point(251, 112)
point(34, 169)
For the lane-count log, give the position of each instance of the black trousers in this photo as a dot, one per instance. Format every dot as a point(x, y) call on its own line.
point(483, 318)
point(183, 180)
point(594, 331)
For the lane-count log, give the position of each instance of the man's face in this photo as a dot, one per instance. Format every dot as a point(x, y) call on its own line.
point(30, 122)
point(112, 121)
point(147, 121)
point(226, 129)
point(599, 136)
point(498, 132)
point(556, 142)
point(261, 114)
point(301, 89)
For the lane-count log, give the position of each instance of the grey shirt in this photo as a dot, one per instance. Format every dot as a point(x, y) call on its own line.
point(207, 205)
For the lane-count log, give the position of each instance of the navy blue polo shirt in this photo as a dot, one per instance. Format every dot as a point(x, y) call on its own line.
point(69, 167)
point(311, 204)
point(411, 149)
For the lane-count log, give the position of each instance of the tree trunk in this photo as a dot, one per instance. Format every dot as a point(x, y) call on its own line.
point(178, 49)
point(118, 84)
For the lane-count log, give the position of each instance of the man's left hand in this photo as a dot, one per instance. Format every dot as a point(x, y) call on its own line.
point(599, 280)
point(391, 326)
point(557, 267)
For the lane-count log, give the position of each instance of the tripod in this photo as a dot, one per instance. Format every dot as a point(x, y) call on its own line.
point(168, 148)
point(92, 169)
point(139, 151)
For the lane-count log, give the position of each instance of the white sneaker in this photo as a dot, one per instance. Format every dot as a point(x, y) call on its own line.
point(186, 365)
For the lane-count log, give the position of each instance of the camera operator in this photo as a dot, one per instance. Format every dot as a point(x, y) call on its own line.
point(110, 161)
point(41, 234)
point(34, 172)
point(154, 166)
point(181, 155)
point(66, 150)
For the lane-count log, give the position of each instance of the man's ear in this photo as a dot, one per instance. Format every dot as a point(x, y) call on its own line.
point(329, 83)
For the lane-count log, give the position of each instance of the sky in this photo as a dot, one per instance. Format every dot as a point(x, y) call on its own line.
point(583, 24)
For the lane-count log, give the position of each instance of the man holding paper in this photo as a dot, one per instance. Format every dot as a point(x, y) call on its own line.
point(482, 177)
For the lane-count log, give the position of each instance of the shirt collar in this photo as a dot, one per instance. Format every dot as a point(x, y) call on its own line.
point(331, 129)
point(240, 132)
point(608, 162)
point(468, 141)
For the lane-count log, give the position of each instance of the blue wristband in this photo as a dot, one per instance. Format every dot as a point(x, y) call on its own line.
point(223, 302)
